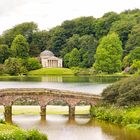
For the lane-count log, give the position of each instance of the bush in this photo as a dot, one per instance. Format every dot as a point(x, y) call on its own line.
point(129, 117)
point(33, 64)
point(123, 93)
point(1, 69)
point(10, 132)
point(12, 66)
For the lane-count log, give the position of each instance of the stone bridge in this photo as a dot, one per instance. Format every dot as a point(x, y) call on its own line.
point(43, 97)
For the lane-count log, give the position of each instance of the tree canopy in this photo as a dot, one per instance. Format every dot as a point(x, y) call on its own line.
point(20, 47)
point(108, 55)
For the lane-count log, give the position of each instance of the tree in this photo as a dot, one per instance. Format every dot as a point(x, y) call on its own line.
point(4, 53)
point(104, 24)
point(39, 42)
point(123, 29)
point(108, 54)
point(26, 29)
point(74, 58)
point(71, 43)
point(132, 56)
point(133, 39)
point(33, 64)
point(13, 66)
point(20, 47)
point(87, 46)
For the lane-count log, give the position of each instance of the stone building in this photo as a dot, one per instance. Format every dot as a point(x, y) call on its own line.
point(48, 60)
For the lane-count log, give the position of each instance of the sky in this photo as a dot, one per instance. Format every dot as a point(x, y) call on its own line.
point(50, 13)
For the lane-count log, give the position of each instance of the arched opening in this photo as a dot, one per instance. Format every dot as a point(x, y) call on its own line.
point(57, 109)
point(25, 109)
point(82, 112)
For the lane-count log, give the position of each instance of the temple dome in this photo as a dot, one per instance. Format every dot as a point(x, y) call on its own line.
point(46, 53)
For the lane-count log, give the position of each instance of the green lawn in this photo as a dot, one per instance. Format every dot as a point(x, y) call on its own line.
point(51, 71)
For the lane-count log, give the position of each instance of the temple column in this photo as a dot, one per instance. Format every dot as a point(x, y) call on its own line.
point(8, 113)
point(71, 112)
point(43, 112)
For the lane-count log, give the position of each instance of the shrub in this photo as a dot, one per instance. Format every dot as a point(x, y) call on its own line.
point(1, 69)
point(123, 93)
point(33, 64)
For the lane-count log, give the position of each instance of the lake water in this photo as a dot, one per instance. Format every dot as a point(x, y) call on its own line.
point(58, 127)
point(88, 84)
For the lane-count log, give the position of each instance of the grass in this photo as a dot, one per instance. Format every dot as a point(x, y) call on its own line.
point(51, 71)
point(129, 117)
point(35, 110)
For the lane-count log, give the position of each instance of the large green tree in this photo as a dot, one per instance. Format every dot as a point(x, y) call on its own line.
point(20, 47)
point(108, 55)
point(74, 58)
point(4, 53)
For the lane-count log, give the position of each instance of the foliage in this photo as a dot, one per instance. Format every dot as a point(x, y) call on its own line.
point(20, 47)
point(14, 66)
point(108, 54)
point(129, 117)
point(33, 64)
point(123, 29)
point(86, 45)
point(74, 58)
point(9, 132)
point(39, 42)
point(133, 39)
point(123, 93)
point(2, 71)
point(83, 33)
point(4, 53)
point(103, 25)
point(135, 67)
point(26, 29)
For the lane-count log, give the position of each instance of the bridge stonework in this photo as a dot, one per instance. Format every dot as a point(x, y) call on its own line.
point(43, 97)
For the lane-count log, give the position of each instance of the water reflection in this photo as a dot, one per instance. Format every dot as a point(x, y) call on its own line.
point(85, 84)
point(58, 127)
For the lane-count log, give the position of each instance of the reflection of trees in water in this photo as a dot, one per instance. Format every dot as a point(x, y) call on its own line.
point(104, 79)
point(116, 131)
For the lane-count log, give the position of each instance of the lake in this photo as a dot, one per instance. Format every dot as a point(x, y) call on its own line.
point(88, 84)
point(58, 127)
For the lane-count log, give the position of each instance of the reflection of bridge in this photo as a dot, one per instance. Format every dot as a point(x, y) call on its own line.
point(43, 97)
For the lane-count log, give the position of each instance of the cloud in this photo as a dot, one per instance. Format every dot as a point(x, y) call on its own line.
point(49, 13)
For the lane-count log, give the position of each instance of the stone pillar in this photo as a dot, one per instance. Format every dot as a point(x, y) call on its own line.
point(8, 113)
point(71, 112)
point(43, 113)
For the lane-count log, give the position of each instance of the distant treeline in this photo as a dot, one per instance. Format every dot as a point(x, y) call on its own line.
point(108, 44)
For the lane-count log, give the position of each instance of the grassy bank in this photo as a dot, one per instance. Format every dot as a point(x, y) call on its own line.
point(10, 132)
point(35, 110)
point(51, 71)
point(129, 117)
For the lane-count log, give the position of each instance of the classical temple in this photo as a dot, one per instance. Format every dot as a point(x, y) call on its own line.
point(48, 60)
